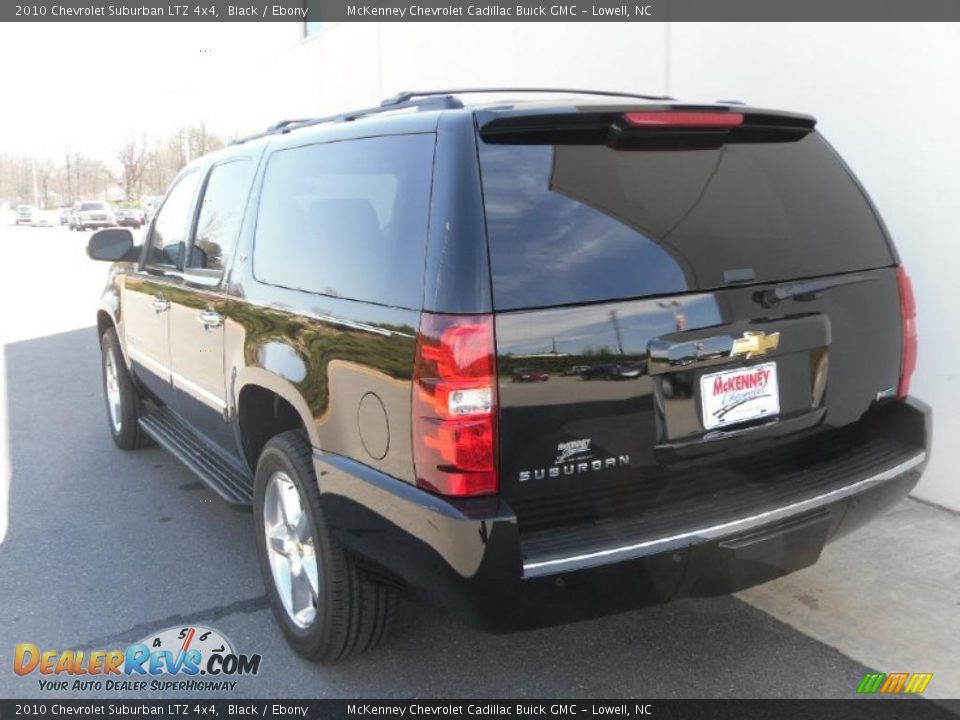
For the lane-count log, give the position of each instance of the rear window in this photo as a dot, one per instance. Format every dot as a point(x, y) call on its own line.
point(93, 206)
point(579, 223)
point(347, 219)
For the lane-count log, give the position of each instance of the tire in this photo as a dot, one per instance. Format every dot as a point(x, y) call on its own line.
point(351, 613)
point(123, 418)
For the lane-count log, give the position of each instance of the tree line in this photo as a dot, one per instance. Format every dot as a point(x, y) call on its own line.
point(138, 166)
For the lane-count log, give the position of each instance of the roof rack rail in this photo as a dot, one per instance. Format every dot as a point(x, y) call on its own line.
point(430, 102)
point(426, 100)
point(408, 95)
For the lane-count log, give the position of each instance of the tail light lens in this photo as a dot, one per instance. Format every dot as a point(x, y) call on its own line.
point(690, 119)
point(455, 405)
point(908, 318)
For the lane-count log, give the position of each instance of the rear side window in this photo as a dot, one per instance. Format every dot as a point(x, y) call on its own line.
point(347, 219)
point(579, 223)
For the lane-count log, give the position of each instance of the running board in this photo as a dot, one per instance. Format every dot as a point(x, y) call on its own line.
point(177, 438)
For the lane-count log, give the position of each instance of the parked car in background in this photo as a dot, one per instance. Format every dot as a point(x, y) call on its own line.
point(615, 371)
point(91, 214)
point(575, 370)
point(25, 214)
point(361, 310)
point(530, 375)
point(630, 371)
point(131, 217)
point(43, 218)
point(596, 372)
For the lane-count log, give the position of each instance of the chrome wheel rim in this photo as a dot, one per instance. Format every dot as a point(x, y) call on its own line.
point(291, 549)
point(112, 385)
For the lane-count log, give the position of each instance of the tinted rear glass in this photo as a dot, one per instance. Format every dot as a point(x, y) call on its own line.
point(580, 223)
point(347, 219)
point(93, 206)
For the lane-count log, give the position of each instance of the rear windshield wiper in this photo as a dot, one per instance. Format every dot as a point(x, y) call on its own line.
point(806, 290)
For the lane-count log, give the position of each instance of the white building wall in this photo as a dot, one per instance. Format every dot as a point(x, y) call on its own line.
point(884, 95)
point(352, 65)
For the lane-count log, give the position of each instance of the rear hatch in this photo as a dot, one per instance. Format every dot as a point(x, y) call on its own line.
point(681, 310)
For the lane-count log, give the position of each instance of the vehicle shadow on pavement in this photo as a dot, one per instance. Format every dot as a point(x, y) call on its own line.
point(130, 542)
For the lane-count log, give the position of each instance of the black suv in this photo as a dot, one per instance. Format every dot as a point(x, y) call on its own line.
point(325, 322)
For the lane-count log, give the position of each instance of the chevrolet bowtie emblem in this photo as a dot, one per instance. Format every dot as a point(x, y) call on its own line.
point(755, 344)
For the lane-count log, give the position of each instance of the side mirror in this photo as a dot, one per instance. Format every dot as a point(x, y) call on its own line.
point(112, 245)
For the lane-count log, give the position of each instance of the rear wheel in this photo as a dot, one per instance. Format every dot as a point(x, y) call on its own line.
point(122, 398)
point(328, 610)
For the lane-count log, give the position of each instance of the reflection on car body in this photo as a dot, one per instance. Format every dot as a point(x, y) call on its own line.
point(530, 375)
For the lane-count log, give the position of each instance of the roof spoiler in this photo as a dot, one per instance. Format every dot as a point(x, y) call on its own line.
point(674, 126)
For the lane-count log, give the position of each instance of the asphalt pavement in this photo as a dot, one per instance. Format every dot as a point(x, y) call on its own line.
point(104, 547)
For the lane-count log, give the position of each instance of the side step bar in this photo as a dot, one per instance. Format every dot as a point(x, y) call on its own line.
point(177, 438)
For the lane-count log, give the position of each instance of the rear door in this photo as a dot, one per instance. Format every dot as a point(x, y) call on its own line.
point(687, 298)
point(147, 292)
point(199, 306)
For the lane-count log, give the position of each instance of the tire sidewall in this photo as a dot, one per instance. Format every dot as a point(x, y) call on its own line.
point(127, 436)
point(318, 634)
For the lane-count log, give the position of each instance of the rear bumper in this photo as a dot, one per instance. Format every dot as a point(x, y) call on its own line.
point(469, 557)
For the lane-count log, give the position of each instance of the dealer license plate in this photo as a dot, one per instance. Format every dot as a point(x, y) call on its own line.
point(736, 396)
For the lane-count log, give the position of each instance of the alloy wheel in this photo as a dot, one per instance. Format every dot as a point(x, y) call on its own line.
point(291, 549)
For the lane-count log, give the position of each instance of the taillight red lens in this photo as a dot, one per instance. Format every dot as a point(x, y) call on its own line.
point(908, 317)
point(691, 119)
point(455, 405)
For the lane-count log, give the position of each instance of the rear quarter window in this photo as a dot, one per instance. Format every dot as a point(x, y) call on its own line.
point(347, 219)
point(583, 223)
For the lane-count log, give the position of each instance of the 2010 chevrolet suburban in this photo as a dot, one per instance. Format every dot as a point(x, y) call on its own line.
point(326, 322)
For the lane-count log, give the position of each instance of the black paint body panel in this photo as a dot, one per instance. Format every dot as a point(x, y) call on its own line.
point(623, 374)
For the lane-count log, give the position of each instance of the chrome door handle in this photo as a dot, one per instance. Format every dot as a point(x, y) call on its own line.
point(210, 318)
point(160, 303)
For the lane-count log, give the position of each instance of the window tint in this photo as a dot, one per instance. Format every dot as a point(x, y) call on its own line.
point(221, 212)
point(570, 224)
point(170, 228)
point(347, 219)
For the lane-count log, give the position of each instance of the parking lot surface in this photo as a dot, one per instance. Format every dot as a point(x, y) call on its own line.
point(102, 548)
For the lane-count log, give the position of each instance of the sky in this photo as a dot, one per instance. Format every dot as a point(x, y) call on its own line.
point(87, 86)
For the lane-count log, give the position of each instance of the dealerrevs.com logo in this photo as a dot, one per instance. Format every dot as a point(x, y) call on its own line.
point(177, 659)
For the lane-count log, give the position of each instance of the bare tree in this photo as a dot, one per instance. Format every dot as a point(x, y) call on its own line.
point(170, 153)
point(140, 167)
point(45, 172)
point(134, 156)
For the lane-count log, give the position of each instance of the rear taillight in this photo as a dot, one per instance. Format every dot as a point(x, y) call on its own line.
point(908, 319)
point(455, 405)
point(689, 119)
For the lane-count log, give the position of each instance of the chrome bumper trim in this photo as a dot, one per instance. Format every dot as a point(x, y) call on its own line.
point(627, 552)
